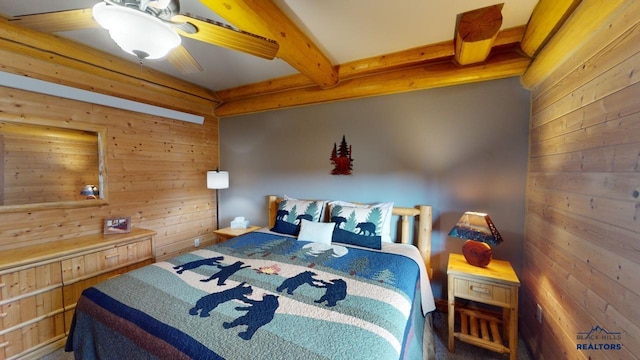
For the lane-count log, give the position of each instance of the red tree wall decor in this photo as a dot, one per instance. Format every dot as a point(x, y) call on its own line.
point(341, 158)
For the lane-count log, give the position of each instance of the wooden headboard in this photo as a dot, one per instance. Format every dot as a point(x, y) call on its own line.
point(422, 214)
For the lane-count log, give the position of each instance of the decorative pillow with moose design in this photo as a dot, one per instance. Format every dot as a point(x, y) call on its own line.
point(362, 226)
point(292, 211)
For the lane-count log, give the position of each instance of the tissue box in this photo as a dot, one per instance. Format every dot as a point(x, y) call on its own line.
point(239, 223)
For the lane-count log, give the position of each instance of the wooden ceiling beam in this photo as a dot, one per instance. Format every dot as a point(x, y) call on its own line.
point(476, 33)
point(414, 69)
point(182, 60)
point(264, 18)
point(546, 19)
point(418, 55)
point(402, 59)
point(51, 58)
point(396, 60)
point(345, 71)
point(578, 29)
point(500, 65)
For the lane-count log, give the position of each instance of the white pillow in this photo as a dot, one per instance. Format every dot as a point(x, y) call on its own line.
point(316, 231)
point(387, 210)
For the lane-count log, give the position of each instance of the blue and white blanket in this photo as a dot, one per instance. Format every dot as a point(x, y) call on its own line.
point(258, 296)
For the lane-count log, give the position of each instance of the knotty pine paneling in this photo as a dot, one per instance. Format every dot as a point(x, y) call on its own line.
point(73, 164)
point(582, 254)
point(156, 173)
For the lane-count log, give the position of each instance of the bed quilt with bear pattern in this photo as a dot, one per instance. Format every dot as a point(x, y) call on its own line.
point(257, 296)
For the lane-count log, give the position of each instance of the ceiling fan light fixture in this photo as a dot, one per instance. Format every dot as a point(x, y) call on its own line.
point(136, 32)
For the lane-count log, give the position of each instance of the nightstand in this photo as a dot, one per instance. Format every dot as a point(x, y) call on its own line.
point(229, 233)
point(496, 285)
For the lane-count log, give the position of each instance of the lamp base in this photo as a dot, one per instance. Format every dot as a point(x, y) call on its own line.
point(477, 253)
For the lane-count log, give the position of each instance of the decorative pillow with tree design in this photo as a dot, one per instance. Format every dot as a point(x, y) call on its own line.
point(387, 213)
point(292, 211)
point(358, 225)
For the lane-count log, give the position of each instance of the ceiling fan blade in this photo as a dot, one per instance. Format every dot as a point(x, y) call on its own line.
point(182, 60)
point(219, 34)
point(57, 21)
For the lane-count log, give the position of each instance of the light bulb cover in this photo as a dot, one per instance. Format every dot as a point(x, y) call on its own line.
point(136, 32)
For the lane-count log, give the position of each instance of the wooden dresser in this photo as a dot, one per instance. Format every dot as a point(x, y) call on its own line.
point(40, 285)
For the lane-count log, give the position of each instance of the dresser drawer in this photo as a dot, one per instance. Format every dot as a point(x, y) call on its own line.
point(25, 309)
point(40, 285)
point(20, 283)
point(15, 341)
point(71, 293)
point(487, 293)
point(99, 262)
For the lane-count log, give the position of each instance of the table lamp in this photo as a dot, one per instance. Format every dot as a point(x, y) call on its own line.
point(480, 232)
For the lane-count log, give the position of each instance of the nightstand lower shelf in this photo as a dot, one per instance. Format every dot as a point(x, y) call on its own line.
point(481, 329)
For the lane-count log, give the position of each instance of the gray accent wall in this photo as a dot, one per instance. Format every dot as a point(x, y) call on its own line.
point(457, 148)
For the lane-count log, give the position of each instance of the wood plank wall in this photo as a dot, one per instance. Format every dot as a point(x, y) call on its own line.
point(156, 173)
point(582, 248)
point(32, 173)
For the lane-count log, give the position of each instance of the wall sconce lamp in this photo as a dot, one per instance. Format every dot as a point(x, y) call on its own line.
point(480, 232)
point(90, 192)
point(217, 180)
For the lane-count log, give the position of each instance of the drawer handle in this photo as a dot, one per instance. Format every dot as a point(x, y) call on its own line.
point(4, 344)
point(2, 285)
point(111, 256)
point(3, 315)
point(480, 289)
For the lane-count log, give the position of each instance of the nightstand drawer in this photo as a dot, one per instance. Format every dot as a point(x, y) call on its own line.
point(497, 285)
point(484, 292)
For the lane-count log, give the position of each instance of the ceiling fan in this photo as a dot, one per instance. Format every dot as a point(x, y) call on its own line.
point(152, 29)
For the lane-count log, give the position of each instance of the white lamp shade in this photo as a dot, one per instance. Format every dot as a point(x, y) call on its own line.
point(136, 32)
point(217, 179)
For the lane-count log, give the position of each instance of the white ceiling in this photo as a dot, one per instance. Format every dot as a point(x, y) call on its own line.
point(345, 30)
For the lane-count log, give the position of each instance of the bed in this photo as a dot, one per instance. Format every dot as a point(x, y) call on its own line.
point(283, 292)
